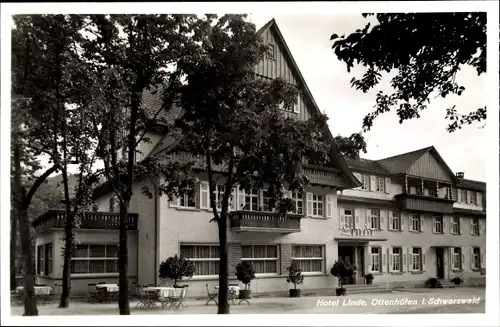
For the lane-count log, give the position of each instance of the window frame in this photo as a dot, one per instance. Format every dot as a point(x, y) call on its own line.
point(352, 218)
point(377, 219)
point(265, 259)
point(438, 221)
point(271, 51)
point(378, 262)
point(209, 260)
point(455, 224)
point(316, 201)
point(301, 259)
point(418, 256)
point(413, 218)
point(476, 258)
point(395, 217)
point(454, 257)
point(186, 198)
point(365, 182)
point(474, 225)
point(380, 184)
point(297, 197)
point(399, 257)
point(249, 200)
point(89, 258)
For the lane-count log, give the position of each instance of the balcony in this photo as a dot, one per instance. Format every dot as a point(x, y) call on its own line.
point(89, 220)
point(425, 203)
point(257, 221)
point(317, 175)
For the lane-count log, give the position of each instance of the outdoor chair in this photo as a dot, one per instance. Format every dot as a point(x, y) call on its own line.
point(176, 301)
point(211, 296)
point(147, 299)
point(92, 293)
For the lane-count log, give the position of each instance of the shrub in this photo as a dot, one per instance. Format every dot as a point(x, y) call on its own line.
point(294, 274)
point(176, 268)
point(342, 270)
point(245, 273)
point(457, 280)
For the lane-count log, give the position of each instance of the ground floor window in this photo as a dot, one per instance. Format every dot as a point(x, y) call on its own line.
point(396, 259)
point(310, 258)
point(375, 259)
point(95, 259)
point(263, 257)
point(416, 259)
point(204, 257)
point(476, 258)
point(44, 260)
point(456, 258)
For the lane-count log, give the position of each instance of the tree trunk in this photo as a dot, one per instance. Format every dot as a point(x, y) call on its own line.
point(68, 246)
point(123, 301)
point(13, 250)
point(30, 308)
point(223, 307)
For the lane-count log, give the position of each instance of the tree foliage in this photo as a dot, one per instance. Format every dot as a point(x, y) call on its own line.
point(341, 271)
point(295, 275)
point(176, 268)
point(426, 50)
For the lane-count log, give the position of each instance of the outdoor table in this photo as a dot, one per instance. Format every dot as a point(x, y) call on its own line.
point(44, 292)
point(164, 295)
point(111, 291)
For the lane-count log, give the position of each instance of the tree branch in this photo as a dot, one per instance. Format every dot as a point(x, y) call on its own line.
point(37, 184)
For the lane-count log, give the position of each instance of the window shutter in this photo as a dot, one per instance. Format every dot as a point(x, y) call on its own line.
point(389, 259)
point(479, 199)
point(459, 195)
point(390, 219)
point(461, 225)
point(471, 257)
point(356, 214)
point(382, 221)
point(329, 206)
point(408, 251)
point(341, 219)
point(446, 223)
point(463, 258)
point(402, 220)
point(404, 259)
point(468, 196)
point(358, 176)
point(423, 259)
point(387, 185)
point(410, 223)
point(296, 106)
point(366, 213)
point(309, 205)
point(204, 195)
point(384, 259)
point(422, 223)
point(241, 198)
point(470, 226)
point(175, 202)
point(433, 224)
point(482, 261)
point(373, 183)
point(368, 251)
point(482, 226)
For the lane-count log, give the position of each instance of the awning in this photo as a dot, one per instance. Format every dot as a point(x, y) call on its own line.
point(360, 239)
point(443, 246)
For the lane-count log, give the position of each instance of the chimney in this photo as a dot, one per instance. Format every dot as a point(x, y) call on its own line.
point(460, 174)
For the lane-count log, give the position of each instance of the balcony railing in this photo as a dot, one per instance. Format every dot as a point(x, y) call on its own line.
point(87, 220)
point(257, 221)
point(408, 201)
point(316, 174)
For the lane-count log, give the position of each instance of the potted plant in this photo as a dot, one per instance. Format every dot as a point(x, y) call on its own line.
point(457, 280)
point(341, 270)
point(432, 282)
point(294, 276)
point(176, 268)
point(369, 278)
point(245, 273)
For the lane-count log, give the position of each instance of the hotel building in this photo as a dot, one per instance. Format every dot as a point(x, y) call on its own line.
point(403, 219)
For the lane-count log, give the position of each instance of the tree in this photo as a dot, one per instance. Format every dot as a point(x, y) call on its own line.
point(426, 51)
point(233, 120)
point(121, 67)
point(176, 268)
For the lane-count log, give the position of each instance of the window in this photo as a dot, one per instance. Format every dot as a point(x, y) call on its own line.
point(298, 201)
point(472, 197)
point(476, 258)
point(380, 184)
point(365, 179)
point(374, 218)
point(218, 194)
point(396, 259)
point(474, 226)
point(375, 258)
point(415, 223)
point(310, 258)
point(204, 257)
point(48, 259)
point(40, 260)
point(462, 196)
point(187, 201)
point(396, 221)
point(252, 200)
point(317, 205)
point(263, 257)
point(455, 225)
point(266, 201)
point(478, 199)
point(456, 258)
point(447, 193)
point(438, 224)
point(271, 51)
point(114, 204)
point(416, 259)
point(349, 218)
point(95, 259)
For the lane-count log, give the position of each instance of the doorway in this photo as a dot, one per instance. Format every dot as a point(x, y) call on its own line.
point(440, 263)
point(346, 255)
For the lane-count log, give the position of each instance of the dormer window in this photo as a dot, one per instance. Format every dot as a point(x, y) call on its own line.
point(271, 51)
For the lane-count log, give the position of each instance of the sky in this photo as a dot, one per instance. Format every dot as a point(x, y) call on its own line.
point(308, 37)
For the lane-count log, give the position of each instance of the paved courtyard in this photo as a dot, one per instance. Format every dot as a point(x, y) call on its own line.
point(418, 301)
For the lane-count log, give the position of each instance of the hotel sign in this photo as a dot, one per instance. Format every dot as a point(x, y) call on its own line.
point(348, 230)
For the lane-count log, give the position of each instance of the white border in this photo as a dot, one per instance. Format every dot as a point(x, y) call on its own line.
point(491, 317)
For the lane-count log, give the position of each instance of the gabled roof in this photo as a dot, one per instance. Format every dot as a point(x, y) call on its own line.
point(471, 184)
point(366, 165)
point(401, 163)
point(338, 158)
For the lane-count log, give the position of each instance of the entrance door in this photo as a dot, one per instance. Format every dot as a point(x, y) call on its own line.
point(346, 255)
point(440, 263)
